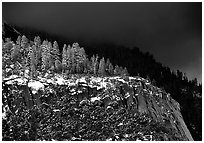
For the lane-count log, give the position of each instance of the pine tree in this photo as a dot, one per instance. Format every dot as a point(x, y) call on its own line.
point(6, 53)
point(25, 45)
point(87, 65)
point(92, 62)
point(8, 45)
point(101, 69)
point(81, 60)
point(107, 65)
point(73, 60)
point(58, 66)
point(45, 58)
point(154, 82)
point(69, 59)
point(125, 72)
point(77, 56)
point(24, 42)
point(64, 58)
point(195, 82)
point(37, 41)
point(120, 71)
point(32, 63)
point(18, 41)
point(110, 69)
point(51, 58)
point(55, 51)
point(117, 70)
point(28, 61)
point(96, 65)
point(15, 53)
point(22, 51)
point(45, 42)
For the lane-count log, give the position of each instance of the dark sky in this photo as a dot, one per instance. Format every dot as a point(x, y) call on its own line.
point(172, 32)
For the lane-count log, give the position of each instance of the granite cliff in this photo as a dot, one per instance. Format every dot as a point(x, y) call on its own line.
point(90, 108)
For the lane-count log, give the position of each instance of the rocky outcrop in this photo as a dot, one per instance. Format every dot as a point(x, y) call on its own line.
point(160, 106)
point(132, 93)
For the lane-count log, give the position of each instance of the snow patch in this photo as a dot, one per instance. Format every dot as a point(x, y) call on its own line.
point(132, 78)
point(93, 99)
point(8, 69)
point(109, 107)
point(26, 73)
point(56, 110)
point(122, 80)
point(96, 79)
point(11, 77)
point(73, 93)
point(35, 86)
point(126, 135)
point(46, 75)
point(81, 80)
point(127, 95)
point(71, 83)
point(147, 83)
point(15, 78)
point(49, 81)
point(12, 66)
point(72, 90)
point(80, 91)
point(60, 80)
point(20, 80)
point(99, 87)
point(110, 139)
point(4, 115)
point(5, 109)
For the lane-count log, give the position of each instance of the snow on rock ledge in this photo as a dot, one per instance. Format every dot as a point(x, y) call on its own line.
point(15, 79)
point(35, 86)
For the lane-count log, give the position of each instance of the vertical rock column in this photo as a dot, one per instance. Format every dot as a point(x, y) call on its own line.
point(27, 96)
point(174, 106)
point(142, 106)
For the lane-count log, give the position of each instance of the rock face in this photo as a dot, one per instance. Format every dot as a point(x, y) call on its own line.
point(132, 93)
point(159, 105)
